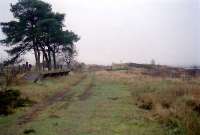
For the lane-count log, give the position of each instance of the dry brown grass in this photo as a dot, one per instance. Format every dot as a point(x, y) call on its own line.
point(174, 102)
point(42, 90)
point(179, 101)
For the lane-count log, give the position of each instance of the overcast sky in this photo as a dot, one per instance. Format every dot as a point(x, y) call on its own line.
point(130, 30)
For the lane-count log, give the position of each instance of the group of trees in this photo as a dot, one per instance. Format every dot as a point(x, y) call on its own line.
point(37, 28)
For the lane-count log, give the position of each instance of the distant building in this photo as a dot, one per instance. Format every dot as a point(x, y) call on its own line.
point(119, 66)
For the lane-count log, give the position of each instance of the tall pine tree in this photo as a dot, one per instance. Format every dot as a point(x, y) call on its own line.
point(36, 27)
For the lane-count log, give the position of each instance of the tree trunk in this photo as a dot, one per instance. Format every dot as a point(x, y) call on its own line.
point(49, 62)
point(39, 61)
point(45, 57)
point(36, 59)
point(54, 59)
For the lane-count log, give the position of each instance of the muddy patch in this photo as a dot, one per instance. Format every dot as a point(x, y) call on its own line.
point(29, 131)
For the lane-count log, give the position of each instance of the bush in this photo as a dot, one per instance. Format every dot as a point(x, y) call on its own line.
point(175, 127)
point(146, 102)
point(10, 100)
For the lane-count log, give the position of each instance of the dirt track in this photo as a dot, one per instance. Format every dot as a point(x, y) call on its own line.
point(95, 105)
point(36, 109)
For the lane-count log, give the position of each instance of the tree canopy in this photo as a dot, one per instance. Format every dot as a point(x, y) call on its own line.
point(36, 27)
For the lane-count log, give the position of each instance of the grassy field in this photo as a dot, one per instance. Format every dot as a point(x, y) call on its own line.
point(106, 103)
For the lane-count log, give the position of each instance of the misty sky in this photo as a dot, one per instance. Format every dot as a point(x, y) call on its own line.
point(130, 30)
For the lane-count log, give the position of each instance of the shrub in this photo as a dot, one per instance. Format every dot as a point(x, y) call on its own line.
point(146, 102)
point(11, 99)
point(175, 127)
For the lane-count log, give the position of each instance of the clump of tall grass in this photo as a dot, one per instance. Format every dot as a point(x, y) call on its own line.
point(10, 99)
point(177, 107)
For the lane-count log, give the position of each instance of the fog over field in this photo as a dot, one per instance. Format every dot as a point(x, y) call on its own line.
point(130, 30)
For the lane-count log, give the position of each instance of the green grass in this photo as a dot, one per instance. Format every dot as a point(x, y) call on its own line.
point(108, 110)
point(36, 92)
